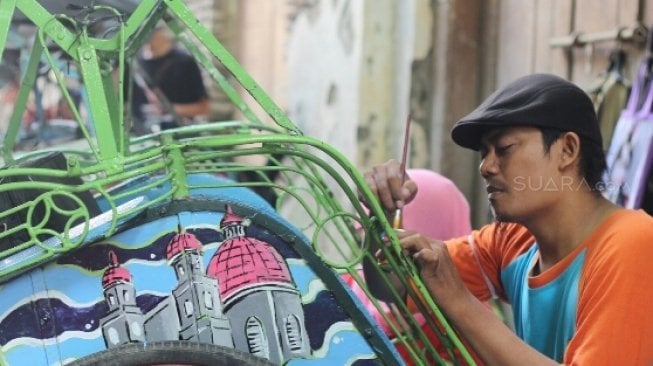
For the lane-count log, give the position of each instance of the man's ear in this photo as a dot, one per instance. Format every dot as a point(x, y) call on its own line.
point(570, 145)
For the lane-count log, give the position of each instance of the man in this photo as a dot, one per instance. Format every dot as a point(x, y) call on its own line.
point(175, 74)
point(572, 264)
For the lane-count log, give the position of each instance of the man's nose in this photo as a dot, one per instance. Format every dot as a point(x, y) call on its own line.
point(488, 166)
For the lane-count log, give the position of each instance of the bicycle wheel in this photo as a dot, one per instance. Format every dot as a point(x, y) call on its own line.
point(177, 353)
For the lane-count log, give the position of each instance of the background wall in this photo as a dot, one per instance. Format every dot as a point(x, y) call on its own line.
point(570, 38)
point(350, 71)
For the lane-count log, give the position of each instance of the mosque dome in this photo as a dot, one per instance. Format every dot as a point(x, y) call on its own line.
point(243, 262)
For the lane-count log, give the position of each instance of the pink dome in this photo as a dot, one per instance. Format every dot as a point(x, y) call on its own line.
point(181, 242)
point(115, 274)
point(244, 262)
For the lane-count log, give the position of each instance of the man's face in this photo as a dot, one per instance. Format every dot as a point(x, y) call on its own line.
point(522, 179)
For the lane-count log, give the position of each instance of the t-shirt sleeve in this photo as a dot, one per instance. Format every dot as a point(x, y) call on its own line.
point(480, 256)
point(182, 81)
point(193, 82)
point(615, 306)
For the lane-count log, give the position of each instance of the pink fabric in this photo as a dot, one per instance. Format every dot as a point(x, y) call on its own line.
point(439, 210)
point(371, 309)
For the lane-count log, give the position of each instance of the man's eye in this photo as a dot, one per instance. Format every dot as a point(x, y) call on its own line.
point(503, 149)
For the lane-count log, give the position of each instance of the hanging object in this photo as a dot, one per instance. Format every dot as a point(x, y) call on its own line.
point(631, 149)
point(609, 93)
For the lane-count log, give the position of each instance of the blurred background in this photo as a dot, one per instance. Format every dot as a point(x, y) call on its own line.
point(349, 72)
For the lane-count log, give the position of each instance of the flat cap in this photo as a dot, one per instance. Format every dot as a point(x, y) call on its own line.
point(538, 100)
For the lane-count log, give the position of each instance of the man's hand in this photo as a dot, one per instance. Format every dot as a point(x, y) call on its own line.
point(437, 271)
point(387, 183)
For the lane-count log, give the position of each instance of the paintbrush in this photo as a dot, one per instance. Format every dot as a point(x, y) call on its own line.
point(396, 222)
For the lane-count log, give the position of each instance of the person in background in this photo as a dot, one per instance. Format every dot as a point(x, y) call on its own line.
point(172, 72)
point(569, 261)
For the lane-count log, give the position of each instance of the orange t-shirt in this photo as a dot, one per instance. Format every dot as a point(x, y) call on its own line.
point(602, 288)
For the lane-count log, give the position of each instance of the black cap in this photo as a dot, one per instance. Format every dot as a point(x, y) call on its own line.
point(538, 100)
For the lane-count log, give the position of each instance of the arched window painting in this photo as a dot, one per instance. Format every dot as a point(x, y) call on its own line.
point(114, 337)
point(294, 333)
point(136, 329)
point(256, 339)
point(208, 300)
point(112, 299)
point(188, 308)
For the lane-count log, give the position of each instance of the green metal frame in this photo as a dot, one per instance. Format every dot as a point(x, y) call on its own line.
point(330, 213)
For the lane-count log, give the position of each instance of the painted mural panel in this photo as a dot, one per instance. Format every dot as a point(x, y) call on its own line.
point(208, 277)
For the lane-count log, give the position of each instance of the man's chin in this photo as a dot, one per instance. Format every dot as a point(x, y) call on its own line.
point(500, 216)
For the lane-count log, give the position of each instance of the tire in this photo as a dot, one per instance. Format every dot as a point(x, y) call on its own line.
point(170, 352)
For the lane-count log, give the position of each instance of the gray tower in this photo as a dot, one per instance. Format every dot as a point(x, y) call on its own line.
point(123, 323)
point(196, 296)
